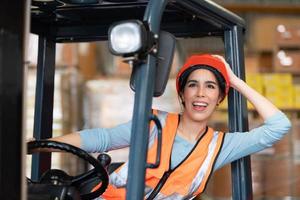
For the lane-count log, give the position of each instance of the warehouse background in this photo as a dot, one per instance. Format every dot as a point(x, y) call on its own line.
point(92, 90)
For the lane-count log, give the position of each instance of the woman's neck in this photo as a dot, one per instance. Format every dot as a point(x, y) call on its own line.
point(189, 129)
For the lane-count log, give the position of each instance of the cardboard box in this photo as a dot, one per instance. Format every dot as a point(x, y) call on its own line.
point(259, 62)
point(277, 79)
point(287, 60)
point(263, 28)
point(271, 79)
point(254, 79)
point(287, 36)
point(297, 96)
point(281, 95)
point(252, 64)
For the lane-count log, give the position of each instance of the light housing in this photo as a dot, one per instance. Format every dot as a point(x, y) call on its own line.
point(165, 55)
point(127, 38)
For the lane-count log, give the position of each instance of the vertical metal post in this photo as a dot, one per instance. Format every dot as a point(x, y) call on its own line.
point(13, 29)
point(43, 115)
point(145, 75)
point(238, 114)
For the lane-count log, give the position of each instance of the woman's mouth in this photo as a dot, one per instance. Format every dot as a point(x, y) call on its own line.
point(199, 106)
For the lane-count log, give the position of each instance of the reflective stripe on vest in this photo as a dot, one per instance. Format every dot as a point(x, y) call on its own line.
point(188, 179)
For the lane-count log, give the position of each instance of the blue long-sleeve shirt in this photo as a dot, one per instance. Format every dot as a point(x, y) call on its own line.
point(236, 145)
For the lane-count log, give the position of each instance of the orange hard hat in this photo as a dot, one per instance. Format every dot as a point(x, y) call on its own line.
point(207, 60)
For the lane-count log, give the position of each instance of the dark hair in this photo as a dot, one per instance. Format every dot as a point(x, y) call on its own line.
point(220, 79)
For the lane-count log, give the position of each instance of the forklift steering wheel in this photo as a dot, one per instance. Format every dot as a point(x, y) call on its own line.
point(79, 181)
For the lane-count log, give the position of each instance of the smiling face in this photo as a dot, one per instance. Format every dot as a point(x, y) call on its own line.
point(200, 95)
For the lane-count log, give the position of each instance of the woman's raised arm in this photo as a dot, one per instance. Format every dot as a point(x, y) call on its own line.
point(263, 106)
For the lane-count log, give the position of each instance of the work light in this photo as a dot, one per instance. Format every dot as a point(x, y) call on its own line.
point(127, 38)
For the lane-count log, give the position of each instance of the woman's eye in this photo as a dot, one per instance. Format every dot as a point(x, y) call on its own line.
point(211, 86)
point(191, 84)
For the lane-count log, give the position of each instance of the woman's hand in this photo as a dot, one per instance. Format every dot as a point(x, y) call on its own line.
point(232, 77)
point(72, 139)
point(37, 149)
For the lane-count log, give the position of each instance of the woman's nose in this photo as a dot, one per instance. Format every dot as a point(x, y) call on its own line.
point(201, 92)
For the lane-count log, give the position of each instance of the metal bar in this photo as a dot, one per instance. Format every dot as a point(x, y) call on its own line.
point(215, 11)
point(43, 116)
point(214, 14)
point(142, 110)
point(12, 71)
point(238, 118)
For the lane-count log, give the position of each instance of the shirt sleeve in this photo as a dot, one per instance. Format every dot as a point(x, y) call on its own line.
point(239, 144)
point(105, 139)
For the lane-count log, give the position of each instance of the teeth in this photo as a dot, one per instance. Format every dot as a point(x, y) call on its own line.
point(199, 104)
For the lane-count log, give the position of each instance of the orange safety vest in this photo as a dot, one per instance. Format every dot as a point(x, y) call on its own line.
point(187, 180)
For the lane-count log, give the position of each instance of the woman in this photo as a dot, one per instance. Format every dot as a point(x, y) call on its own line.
point(191, 150)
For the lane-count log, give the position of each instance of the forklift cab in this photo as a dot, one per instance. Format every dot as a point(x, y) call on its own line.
point(157, 23)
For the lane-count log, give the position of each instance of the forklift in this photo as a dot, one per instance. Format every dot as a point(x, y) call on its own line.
point(152, 27)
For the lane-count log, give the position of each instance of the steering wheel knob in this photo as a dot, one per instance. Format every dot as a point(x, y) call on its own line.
point(104, 159)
